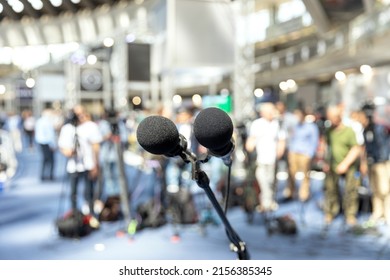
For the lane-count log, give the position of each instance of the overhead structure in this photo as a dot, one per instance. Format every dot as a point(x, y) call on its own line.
point(318, 14)
point(19, 9)
point(38, 22)
point(244, 76)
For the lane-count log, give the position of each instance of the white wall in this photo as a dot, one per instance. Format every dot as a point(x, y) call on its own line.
point(204, 34)
point(50, 87)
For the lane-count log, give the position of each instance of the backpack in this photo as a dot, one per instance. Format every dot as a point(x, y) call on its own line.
point(183, 207)
point(111, 211)
point(283, 224)
point(75, 224)
point(150, 214)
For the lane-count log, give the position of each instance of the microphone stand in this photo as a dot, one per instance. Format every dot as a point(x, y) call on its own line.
point(201, 178)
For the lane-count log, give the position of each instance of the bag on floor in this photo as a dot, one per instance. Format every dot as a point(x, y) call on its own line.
point(183, 207)
point(150, 214)
point(76, 224)
point(111, 211)
point(284, 224)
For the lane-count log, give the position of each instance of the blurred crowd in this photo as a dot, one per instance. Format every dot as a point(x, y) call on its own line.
point(350, 148)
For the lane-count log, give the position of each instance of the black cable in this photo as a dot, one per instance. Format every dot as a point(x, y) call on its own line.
point(62, 195)
point(227, 194)
point(64, 182)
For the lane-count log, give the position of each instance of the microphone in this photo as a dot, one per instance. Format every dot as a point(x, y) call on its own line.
point(213, 128)
point(159, 135)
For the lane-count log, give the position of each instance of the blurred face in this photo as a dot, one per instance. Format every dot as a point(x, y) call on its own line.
point(362, 118)
point(334, 116)
point(280, 107)
point(268, 111)
point(299, 115)
point(183, 117)
point(81, 113)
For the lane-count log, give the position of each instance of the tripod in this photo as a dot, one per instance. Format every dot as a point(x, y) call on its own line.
point(130, 223)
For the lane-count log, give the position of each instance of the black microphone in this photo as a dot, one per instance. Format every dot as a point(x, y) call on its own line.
point(213, 129)
point(159, 135)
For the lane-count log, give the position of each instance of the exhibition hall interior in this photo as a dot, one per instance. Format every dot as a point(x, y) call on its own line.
point(194, 130)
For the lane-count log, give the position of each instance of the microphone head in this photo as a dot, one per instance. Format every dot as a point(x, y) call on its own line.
point(213, 128)
point(158, 135)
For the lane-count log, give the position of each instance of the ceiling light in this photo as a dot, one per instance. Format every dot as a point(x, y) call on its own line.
point(366, 69)
point(197, 100)
point(75, 1)
point(1, 8)
point(17, 6)
point(283, 86)
point(130, 38)
point(108, 42)
point(91, 59)
point(177, 99)
point(291, 83)
point(340, 76)
point(30, 82)
point(56, 3)
point(136, 100)
point(36, 4)
point(2, 89)
point(123, 101)
point(258, 92)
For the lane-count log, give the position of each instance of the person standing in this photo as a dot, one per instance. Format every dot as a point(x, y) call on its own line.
point(113, 131)
point(269, 140)
point(13, 125)
point(343, 153)
point(29, 127)
point(302, 146)
point(45, 137)
point(376, 164)
point(79, 141)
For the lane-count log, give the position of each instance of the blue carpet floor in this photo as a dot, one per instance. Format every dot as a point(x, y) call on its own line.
point(29, 207)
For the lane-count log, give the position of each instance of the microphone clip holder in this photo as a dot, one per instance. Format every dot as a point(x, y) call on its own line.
point(203, 181)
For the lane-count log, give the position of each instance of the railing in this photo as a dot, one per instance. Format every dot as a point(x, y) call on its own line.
point(361, 29)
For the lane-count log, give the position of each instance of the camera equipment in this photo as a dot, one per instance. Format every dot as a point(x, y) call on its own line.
point(368, 108)
point(73, 118)
point(113, 120)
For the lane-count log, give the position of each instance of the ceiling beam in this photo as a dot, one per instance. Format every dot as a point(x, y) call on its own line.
point(69, 6)
point(49, 8)
point(29, 10)
point(88, 4)
point(318, 14)
point(369, 6)
point(8, 11)
point(110, 2)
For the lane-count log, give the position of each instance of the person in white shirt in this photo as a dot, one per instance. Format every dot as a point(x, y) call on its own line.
point(45, 137)
point(29, 127)
point(79, 141)
point(14, 125)
point(269, 140)
point(8, 160)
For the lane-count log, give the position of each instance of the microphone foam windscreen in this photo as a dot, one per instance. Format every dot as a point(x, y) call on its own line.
point(213, 128)
point(158, 135)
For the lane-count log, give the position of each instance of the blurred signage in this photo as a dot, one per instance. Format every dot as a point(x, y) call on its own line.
point(24, 93)
point(138, 62)
point(222, 102)
point(91, 79)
